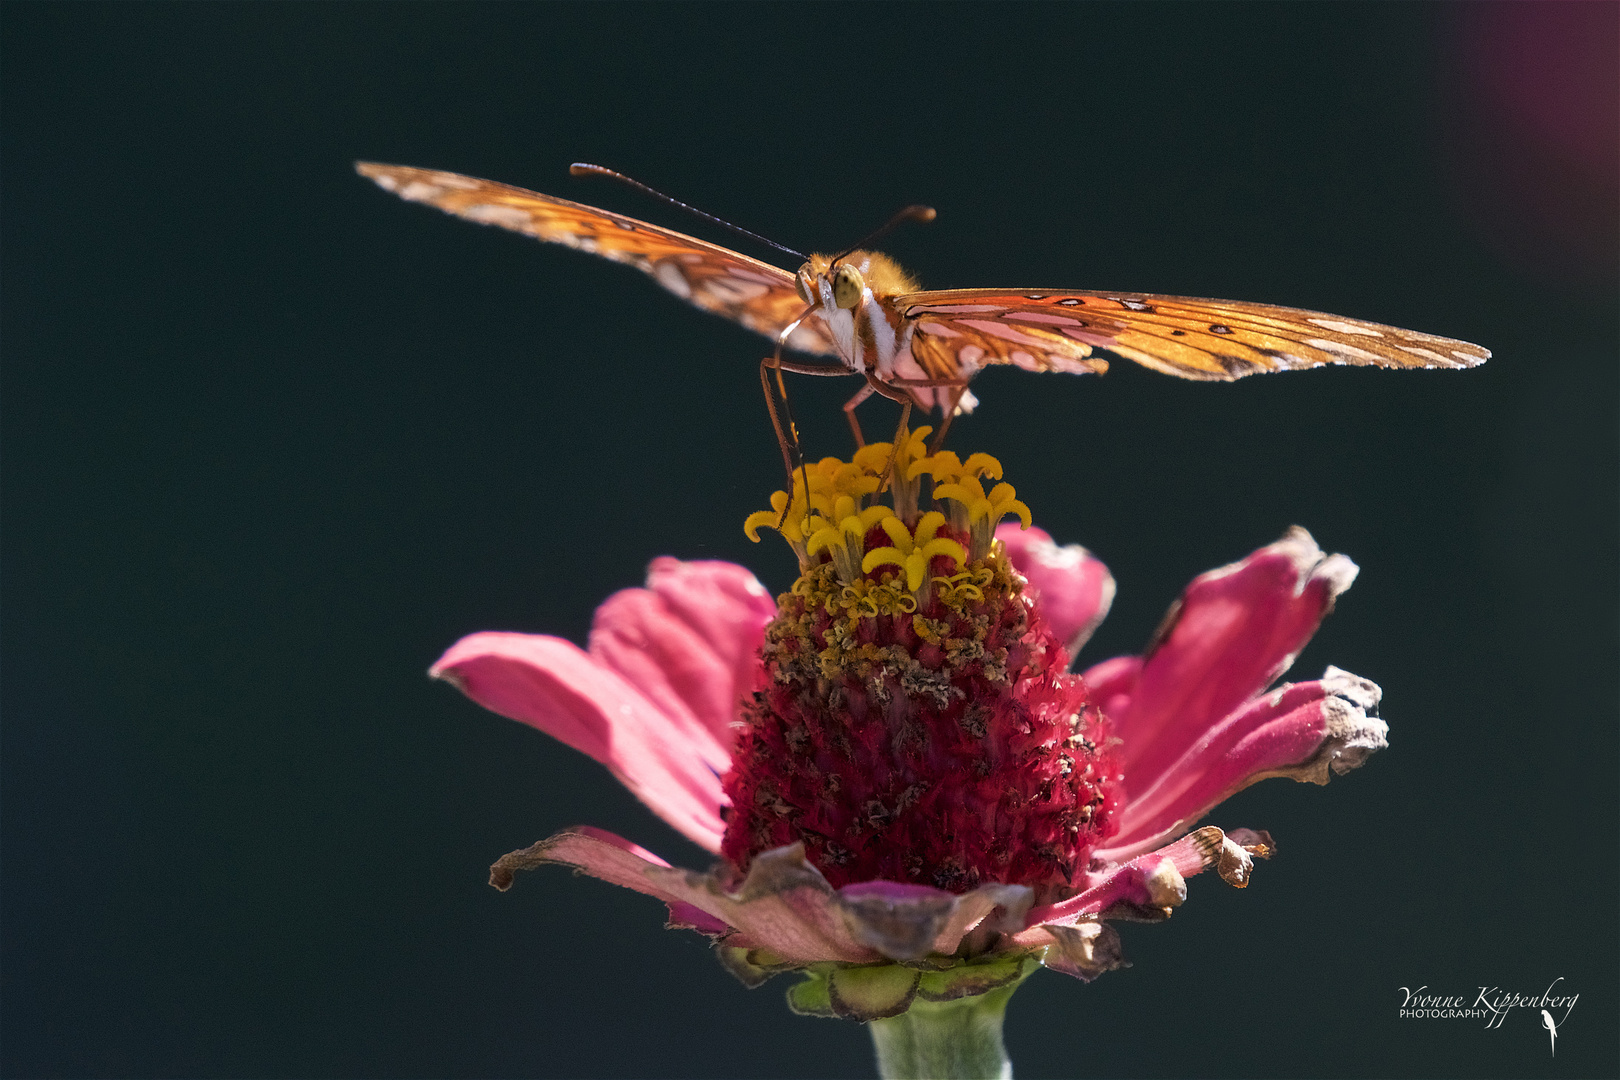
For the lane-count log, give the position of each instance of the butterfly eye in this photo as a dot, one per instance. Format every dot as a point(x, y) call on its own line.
point(847, 286)
point(802, 280)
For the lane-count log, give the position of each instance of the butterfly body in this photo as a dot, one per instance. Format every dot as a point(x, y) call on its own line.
point(854, 299)
point(925, 346)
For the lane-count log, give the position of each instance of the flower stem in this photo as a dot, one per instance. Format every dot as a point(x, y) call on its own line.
point(945, 1040)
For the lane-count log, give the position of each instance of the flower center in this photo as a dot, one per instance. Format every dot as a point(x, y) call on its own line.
point(918, 724)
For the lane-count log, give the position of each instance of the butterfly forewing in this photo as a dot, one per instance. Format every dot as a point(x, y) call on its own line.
point(959, 330)
point(756, 294)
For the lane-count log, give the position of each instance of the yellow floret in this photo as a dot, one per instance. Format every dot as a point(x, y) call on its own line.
point(831, 510)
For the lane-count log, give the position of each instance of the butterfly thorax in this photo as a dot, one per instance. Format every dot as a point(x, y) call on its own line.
point(851, 296)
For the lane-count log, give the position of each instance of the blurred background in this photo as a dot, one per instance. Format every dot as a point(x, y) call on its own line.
point(273, 439)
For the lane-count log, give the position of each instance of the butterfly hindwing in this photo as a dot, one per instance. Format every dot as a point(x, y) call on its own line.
point(756, 294)
point(959, 330)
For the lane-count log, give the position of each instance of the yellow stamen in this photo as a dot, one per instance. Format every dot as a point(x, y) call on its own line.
point(827, 520)
point(982, 465)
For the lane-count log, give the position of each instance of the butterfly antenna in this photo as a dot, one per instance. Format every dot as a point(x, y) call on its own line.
point(580, 168)
point(914, 212)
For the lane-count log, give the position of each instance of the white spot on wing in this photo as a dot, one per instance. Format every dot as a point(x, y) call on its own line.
point(386, 182)
point(806, 340)
point(417, 191)
point(491, 214)
point(970, 355)
point(1427, 354)
point(1339, 327)
point(1090, 337)
point(751, 275)
point(670, 277)
point(1339, 348)
point(906, 367)
point(732, 291)
point(1022, 359)
point(1001, 330)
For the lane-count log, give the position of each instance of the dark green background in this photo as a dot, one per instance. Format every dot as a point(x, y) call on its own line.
point(273, 439)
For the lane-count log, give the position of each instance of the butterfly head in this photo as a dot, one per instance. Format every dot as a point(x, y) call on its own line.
point(840, 283)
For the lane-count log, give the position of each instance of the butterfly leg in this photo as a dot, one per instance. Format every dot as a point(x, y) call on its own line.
point(959, 386)
point(787, 436)
point(905, 399)
point(787, 432)
point(950, 414)
point(849, 413)
point(894, 447)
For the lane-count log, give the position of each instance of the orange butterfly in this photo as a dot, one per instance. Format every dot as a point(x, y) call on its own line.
point(924, 347)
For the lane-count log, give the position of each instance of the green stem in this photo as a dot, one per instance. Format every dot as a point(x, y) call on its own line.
point(945, 1040)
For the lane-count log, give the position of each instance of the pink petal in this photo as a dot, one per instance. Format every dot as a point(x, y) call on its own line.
point(656, 697)
point(1073, 589)
point(1303, 730)
point(1112, 682)
point(555, 686)
point(1150, 885)
point(606, 856)
point(1233, 632)
point(689, 640)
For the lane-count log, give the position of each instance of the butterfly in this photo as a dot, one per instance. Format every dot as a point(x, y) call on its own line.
point(923, 347)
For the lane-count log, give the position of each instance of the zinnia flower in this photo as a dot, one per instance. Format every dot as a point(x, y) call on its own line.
point(913, 800)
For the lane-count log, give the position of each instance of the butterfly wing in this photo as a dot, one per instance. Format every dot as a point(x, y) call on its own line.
point(959, 330)
point(758, 295)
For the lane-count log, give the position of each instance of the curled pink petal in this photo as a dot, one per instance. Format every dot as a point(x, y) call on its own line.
point(607, 857)
point(555, 686)
point(1306, 731)
point(1084, 949)
point(1232, 633)
point(597, 852)
point(783, 904)
point(684, 916)
point(1150, 885)
point(1073, 589)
